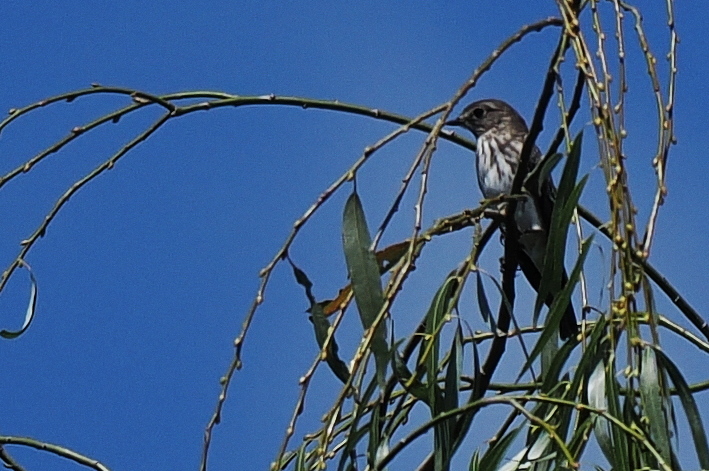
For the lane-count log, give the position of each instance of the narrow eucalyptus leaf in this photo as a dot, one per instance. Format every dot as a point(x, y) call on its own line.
point(597, 399)
point(412, 385)
point(483, 304)
point(366, 282)
point(652, 404)
point(374, 438)
point(450, 392)
point(465, 420)
point(536, 178)
point(556, 244)
point(300, 460)
point(557, 385)
point(571, 170)
point(301, 278)
point(553, 369)
point(321, 326)
point(596, 349)
point(452, 382)
point(689, 405)
point(621, 450)
point(436, 316)
point(332, 358)
point(552, 273)
point(475, 462)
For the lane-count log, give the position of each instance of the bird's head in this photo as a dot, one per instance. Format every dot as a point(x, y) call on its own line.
point(483, 115)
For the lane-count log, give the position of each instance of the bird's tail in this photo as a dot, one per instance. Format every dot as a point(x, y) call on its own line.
point(568, 325)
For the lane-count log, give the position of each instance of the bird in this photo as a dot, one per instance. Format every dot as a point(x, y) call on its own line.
point(500, 132)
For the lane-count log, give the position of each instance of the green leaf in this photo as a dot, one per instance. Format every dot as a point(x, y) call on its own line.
point(302, 279)
point(595, 350)
point(621, 448)
point(653, 404)
point(549, 354)
point(598, 399)
point(553, 386)
point(31, 307)
point(554, 256)
point(690, 408)
point(483, 304)
point(581, 430)
point(477, 374)
point(567, 197)
point(438, 314)
point(571, 169)
point(539, 174)
point(412, 385)
point(558, 307)
point(301, 456)
point(503, 297)
point(321, 326)
point(332, 358)
point(465, 420)
point(475, 462)
point(452, 382)
point(445, 431)
point(366, 282)
point(375, 437)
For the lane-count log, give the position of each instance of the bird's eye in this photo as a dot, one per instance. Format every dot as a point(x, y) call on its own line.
point(479, 113)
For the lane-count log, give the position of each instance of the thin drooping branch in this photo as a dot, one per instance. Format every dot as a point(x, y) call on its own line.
point(108, 164)
point(54, 449)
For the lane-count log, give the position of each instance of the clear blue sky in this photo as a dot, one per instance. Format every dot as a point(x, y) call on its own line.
point(146, 274)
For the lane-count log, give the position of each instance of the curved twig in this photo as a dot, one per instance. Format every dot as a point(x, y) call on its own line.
point(108, 164)
point(55, 449)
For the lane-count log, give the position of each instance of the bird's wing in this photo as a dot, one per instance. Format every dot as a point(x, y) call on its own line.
point(544, 194)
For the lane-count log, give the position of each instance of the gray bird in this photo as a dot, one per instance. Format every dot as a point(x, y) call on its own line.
point(500, 132)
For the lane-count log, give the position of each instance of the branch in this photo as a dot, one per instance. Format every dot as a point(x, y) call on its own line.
point(108, 164)
point(55, 449)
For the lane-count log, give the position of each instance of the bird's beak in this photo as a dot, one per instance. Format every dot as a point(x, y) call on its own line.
point(453, 122)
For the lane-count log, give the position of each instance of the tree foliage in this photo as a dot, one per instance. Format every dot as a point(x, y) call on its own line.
point(613, 384)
